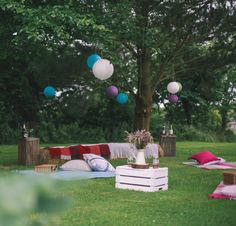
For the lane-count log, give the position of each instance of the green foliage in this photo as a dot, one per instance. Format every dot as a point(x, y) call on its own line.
point(157, 123)
point(78, 133)
point(27, 201)
point(202, 133)
point(47, 43)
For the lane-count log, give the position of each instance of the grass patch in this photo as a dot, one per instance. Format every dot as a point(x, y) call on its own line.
point(97, 202)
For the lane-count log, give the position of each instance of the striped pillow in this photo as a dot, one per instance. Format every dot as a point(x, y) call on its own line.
point(98, 163)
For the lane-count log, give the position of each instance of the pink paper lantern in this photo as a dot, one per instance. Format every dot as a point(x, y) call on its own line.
point(112, 91)
point(173, 98)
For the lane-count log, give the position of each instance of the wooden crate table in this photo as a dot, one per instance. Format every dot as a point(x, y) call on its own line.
point(168, 144)
point(28, 151)
point(45, 168)
point(148, 180)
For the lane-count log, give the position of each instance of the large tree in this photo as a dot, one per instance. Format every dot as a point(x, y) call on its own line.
point(145, 39)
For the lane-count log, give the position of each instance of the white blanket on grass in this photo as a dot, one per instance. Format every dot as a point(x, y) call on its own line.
point(221, 165)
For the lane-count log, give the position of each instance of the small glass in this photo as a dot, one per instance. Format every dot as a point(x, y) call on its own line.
point(155, 163)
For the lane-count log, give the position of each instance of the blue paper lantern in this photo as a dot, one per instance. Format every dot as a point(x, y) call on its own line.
point(92, 59)
point(49, 91)
point(122, 98)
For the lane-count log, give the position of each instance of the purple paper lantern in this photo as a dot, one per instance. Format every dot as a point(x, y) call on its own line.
point(173, 98)
point(112, 91)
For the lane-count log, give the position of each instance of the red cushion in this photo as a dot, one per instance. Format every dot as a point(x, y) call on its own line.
point(204, 157)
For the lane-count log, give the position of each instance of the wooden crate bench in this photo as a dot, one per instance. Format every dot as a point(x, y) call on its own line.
point(148, 180)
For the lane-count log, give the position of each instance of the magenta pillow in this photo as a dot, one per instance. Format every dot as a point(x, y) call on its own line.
point(204, 157)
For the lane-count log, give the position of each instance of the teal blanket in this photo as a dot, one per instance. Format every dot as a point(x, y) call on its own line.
point(69, 175)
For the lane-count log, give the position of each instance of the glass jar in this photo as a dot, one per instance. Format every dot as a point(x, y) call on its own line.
point(155, 164)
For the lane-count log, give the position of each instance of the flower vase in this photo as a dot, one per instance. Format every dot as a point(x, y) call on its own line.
point(140, 159)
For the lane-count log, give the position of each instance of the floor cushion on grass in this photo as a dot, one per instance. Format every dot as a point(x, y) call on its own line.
point(98, 163)
point(76, 164)
point(204, 157)
point(223, 191)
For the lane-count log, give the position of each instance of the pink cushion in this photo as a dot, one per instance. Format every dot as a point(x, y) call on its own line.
point(204, 157)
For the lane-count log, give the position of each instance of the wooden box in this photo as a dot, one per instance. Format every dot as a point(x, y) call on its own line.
point(28, 151)
point(229, 177)
point(147, 180)
point(168, 144)
point(45, 168)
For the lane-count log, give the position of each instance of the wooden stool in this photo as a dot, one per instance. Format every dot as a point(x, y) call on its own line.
point(229, 177)
point(168, 144)
point(28, 151)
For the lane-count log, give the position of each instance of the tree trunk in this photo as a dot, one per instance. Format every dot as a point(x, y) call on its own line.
point(143, 100)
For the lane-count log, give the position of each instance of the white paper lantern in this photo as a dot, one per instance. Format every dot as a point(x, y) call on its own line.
point(110, 70)
point(173, 87)
point(180, 86)
point(103, 69)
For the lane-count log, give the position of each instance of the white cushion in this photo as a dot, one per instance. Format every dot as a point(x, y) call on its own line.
point(229, 190)
point(98, 163)
point(76, 165)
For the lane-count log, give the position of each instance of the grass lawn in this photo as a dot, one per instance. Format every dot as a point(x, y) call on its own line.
point(186, 202)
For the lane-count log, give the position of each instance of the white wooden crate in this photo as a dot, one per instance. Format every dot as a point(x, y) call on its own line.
point(148, 180)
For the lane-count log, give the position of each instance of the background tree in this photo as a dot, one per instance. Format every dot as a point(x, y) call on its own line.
point(149, 42)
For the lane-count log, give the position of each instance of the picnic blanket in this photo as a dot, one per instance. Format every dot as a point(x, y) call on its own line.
point(223, 191)
point(110, 150)
point(69, 175)
point(76, 151)
point(222, 165)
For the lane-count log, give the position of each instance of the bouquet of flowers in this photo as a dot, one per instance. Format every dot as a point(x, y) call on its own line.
point(140, 138)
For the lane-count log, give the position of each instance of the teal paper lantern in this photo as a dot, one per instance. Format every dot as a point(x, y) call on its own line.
point(49, 91)
point(122, 98)
point(92, 59)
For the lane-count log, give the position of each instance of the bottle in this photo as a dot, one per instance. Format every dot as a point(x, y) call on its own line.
point(164, 130)
point(24, 131)
point(155, 164)
point(171, 130)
